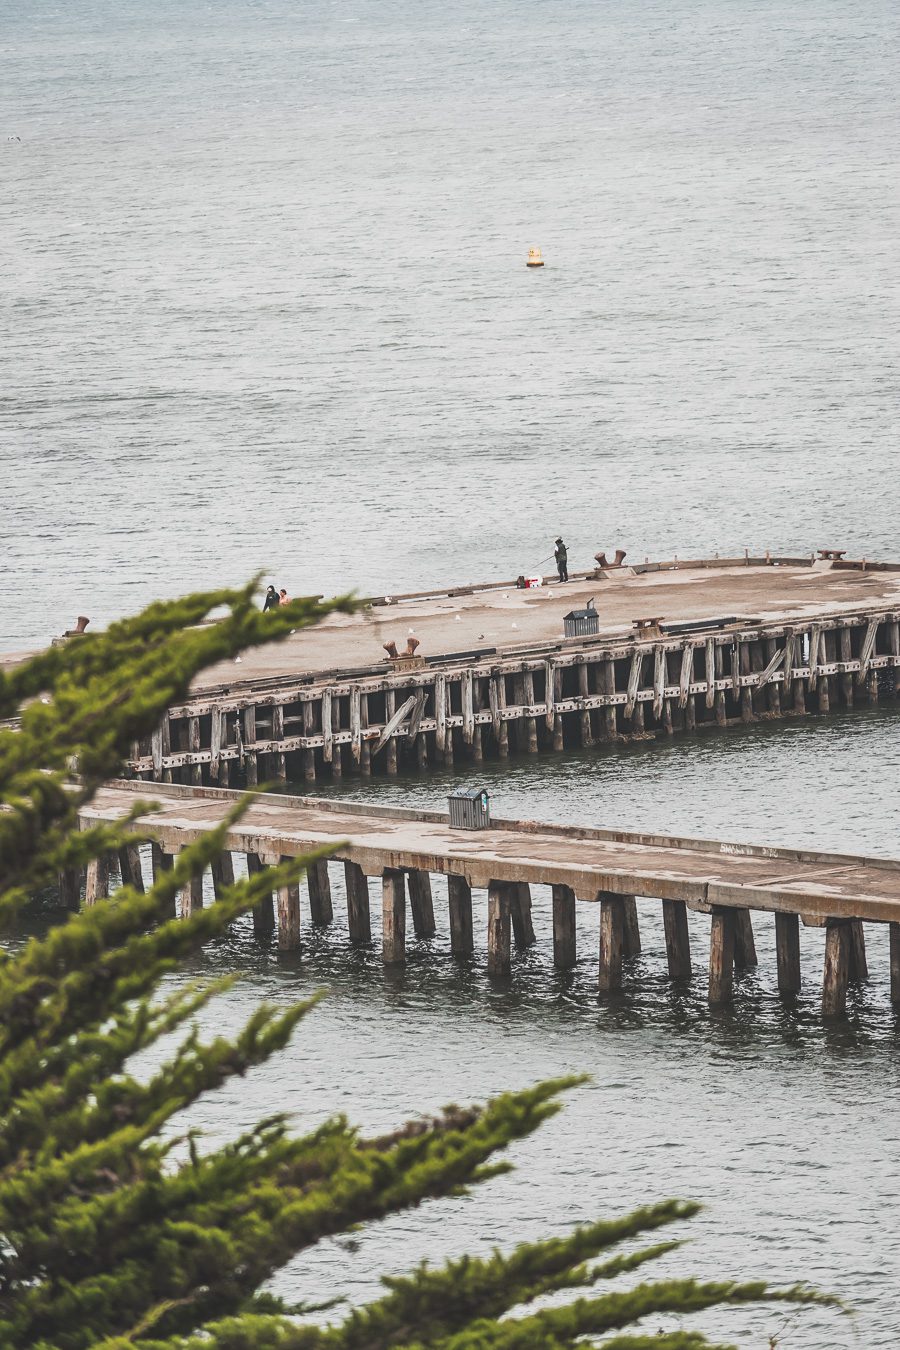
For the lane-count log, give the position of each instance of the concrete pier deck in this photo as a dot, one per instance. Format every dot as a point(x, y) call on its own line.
point(501, 618)
point(622, 871)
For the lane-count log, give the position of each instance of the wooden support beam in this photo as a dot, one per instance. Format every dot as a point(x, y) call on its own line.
point(193, 745)
point(162, 861)
point(866, 650)
point(721, 955)
point(634, 682)
point(421, 903)
point(318, 883)
point(222, 869)
point(550, 693)
point(531, 736)
point(279, 764)
point(440, 712)
point(69, 880)
point(744, 945)
point(710, 672)
point(564, 928)
point(288, 906)
point(462, 940)
point(96, 881)
point(217, 735)
point(393, 917)
point(612, 937)
point(787, 951)
point(587, 735)
point(356, 724)
point(308, 755)
point(190, 896)
point(610, 712)
point(659, 680)
point(468, 707)
point(130, 867)
point(251, 767)
point(264, 912)
point(859, 966)
point(498, 960)
point(837, 968)
point(685, 675)
point(520, 913)
point(775, 654)
point(631, 936)
point(847, 677)
point(327, 710)
point(365, 750)
point(894, 930)
point(678, 939)
point(787, 677)
point(745, 666)
point(358, 919)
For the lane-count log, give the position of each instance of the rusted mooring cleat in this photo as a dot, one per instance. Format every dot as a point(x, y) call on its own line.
point(407, 660)
point(831, 554)
point(81, 624)
point(649, 627)
point(602, 560)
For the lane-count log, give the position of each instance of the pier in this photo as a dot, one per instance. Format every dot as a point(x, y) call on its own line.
point(486, 671)
point(623, 872)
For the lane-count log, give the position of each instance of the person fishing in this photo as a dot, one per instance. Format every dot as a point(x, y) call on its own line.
point(561, 554)
point(271, 601)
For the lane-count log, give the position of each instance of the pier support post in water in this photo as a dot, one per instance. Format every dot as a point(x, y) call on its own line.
point(190, 896)
point(264, 912)
point(358, 920)
point(130, 867)
point(678, 939)
point(721, 955)
point(288, 903)
point(320, 907)
point(895, 963)
point(859, 966)
point(744, 945)
point(787, 949)
point(498, 928)
point(612, 938)
point(162, 861)
point(96, 881)
point(393, 917)
point(421, 904)
point(837, 967)
point(222, 869)
point(520, 913)
point(69, 879)
point(631, 937)
point(462, 941)
point(564, 949)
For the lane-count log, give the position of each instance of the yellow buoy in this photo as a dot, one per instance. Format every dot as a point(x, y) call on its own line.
point(534, 258)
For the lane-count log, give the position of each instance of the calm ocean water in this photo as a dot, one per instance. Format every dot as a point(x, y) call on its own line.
point(265, 306)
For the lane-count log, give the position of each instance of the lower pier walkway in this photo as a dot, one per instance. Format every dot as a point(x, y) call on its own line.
point(621, 871)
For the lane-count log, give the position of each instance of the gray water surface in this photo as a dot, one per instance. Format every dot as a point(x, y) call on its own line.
point(265, 305)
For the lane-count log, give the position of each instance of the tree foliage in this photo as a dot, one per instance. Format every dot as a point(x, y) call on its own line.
point(107, 1240)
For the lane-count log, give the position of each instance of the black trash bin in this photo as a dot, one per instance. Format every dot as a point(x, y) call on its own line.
point(581, 622)
point(470, 809)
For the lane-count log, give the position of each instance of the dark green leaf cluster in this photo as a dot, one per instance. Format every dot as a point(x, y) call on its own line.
point(107, 1236)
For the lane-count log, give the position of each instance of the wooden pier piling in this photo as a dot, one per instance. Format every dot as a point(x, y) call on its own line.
point(564, 939)
point(421, 904)
point(321, 911)
point(393, 916)
point(459, 894)
point(612, 939)
point(678, 939)
point(498, 959)
point(837, 968)
point(358, 920)
point(721, 955)
point(787, 953)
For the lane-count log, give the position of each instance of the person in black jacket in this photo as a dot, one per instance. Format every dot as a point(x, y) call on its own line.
point(272, 600)
point(562, 560)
